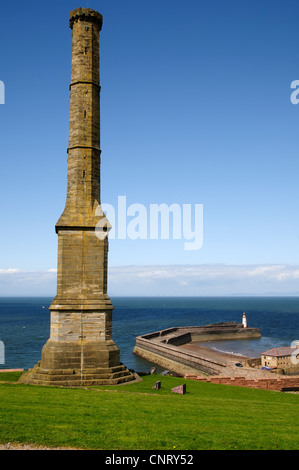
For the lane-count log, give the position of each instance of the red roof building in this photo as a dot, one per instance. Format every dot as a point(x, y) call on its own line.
point(282, 358)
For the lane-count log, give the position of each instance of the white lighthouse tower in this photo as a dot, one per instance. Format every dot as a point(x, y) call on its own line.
point(244, 321)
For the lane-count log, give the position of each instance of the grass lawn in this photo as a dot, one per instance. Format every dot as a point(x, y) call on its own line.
point(135, 417)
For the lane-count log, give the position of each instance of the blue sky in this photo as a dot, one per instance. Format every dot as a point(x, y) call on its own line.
point(195, 109)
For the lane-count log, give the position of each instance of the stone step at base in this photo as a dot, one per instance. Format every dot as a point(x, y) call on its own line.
point(79, 383)
point(94, 371)
point(74, 378)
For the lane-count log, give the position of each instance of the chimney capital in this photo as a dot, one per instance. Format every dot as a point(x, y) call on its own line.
point(86, 14)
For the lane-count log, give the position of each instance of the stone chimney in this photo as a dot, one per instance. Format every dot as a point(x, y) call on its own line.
point(80, 350)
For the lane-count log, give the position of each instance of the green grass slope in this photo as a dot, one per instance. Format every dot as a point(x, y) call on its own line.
point(136, 417)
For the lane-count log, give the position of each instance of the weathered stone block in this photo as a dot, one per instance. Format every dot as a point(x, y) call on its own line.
point(157, 385)
point(181, 389)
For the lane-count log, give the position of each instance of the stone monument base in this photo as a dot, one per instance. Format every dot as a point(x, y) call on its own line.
point(78, 378)
point(79, 363)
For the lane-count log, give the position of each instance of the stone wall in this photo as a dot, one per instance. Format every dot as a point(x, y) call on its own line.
point(180, 359)
point(278, 384)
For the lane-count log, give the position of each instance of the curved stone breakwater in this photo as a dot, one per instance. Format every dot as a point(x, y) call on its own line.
point(177, 349)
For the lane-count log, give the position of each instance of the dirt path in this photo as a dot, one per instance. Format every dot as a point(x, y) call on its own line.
point(10, 446)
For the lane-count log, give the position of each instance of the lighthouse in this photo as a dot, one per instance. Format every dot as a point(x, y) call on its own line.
point(244, 321)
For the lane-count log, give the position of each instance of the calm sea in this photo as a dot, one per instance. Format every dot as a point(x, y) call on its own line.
point(25, 323)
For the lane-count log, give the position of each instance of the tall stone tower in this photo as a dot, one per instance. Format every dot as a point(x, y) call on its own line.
point(80, 350)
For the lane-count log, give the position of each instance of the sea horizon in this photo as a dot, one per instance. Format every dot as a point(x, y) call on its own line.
point(160, 296)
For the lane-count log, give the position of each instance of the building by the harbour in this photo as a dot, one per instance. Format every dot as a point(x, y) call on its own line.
point(281, 358)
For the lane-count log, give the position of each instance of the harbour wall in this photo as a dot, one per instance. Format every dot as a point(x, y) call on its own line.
point(164, 347)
